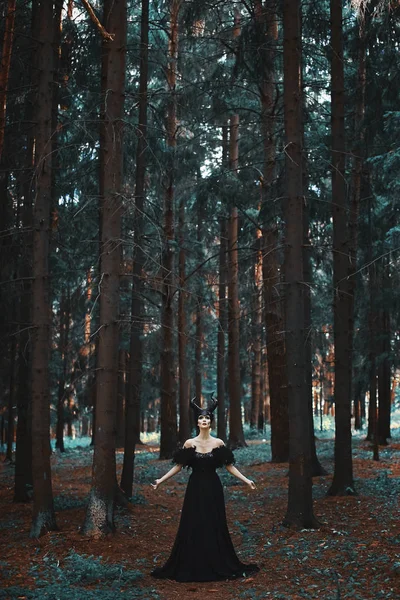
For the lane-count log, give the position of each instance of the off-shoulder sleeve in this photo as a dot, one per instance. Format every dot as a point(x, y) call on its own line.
point(223, 456)
point(183, 457)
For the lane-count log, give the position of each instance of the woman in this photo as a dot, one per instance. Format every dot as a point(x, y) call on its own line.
point(203, 550)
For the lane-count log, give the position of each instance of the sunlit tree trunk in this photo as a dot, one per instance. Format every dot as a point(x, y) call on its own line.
point(43, 518)
point(299, 512)
point(100, 512)
point(343, 482)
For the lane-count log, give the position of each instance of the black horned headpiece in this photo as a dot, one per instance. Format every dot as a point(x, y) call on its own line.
point(205, 410)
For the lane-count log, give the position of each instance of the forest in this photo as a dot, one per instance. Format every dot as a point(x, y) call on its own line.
point(199, 199)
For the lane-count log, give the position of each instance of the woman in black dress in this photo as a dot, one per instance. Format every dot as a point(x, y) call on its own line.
point(203, 549)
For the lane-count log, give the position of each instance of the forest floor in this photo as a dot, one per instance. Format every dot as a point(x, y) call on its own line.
point(355, 554)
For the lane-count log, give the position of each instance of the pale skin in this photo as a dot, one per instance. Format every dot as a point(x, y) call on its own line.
point(204, 442)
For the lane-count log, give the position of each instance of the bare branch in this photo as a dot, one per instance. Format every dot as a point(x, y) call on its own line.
point(92, 15)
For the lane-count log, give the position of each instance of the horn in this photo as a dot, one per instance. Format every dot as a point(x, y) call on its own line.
point(213, 403)
point(194, 405)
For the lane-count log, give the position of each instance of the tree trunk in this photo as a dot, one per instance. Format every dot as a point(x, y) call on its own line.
point(100, 512)
point(199, 304)
point(236, 435)
point(135, 371)
point(266, 25)
point(169, 437)
point(343, 483)
point(184, 427)
point(11, 399)
point(299, 512)
point(5, 67)
point(384, 380)
point(121, 398)
point(222, 324)
point(43, 518)
point(23, 447)
point(276, 352)
point(257, 333)
point(65, 310)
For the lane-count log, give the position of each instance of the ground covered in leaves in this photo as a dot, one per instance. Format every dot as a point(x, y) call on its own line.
point(355, 554)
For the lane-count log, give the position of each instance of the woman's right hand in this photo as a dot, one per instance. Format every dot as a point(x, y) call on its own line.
point(155, 484)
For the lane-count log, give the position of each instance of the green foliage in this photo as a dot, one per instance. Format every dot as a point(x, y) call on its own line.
point(69, 580)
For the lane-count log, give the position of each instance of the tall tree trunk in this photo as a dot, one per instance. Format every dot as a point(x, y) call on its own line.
point(23, 447)
point(343, 483)
point(236, 435)
point(5, 67)
point(198, 367)
point(169, 435)
point(43, 518)
point(100, 512)
point(184, 426)
point(135, 371)
point(257, 333)
point(63, 348)
point(266, 23)
point(121, 398)
point(11, 399)
point(276, 351)
point(384, 378)
point(222, 325)
point(299, 512)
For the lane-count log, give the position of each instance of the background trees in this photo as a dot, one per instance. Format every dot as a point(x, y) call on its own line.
point(182, 285)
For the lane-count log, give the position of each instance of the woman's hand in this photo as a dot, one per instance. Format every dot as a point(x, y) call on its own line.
point(251, 484)
point(155, 484)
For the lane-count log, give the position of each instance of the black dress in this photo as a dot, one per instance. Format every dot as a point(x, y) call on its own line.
point(203, 549)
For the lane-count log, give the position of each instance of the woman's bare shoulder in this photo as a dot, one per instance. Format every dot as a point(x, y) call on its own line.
point(218, 442)
point(189, 443)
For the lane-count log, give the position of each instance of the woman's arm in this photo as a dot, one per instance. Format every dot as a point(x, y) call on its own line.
point(170, 473)
point(236, 473)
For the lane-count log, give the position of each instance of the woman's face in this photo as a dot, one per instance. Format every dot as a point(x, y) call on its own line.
point(204, 422)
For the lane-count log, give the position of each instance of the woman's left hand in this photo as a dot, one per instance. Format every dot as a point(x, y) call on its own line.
point(251, 484)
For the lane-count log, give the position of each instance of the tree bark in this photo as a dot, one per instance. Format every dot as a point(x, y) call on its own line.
point(5, 67)
point(222, 326)
point(343, 483)
point(276, 351)
point(169, 437)
point(184, 426)
point(299, 512)
point(23, 448)
point(43, 518)
point(266, 26)
point(63, 349)
point(99, 517)
point(236, 435)
point(121, 398)
point(256, 335)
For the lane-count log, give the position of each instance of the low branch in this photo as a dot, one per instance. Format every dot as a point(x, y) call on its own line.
point(92, 15)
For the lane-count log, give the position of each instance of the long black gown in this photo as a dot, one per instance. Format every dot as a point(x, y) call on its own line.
point(203, 549)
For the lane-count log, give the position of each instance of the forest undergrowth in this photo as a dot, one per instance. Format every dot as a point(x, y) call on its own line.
point(355, 554)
